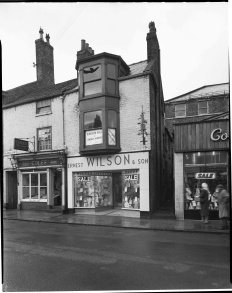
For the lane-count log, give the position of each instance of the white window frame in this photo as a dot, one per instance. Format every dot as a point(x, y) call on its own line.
point(34, 199)
point(207, 107)
point(42, 105)
point(38, 143)
point(181, 110)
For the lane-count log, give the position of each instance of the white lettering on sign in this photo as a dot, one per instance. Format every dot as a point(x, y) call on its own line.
point(93, 137)
point(205, 175)
point(216, 135)
point(83, 178)
point(131, 177)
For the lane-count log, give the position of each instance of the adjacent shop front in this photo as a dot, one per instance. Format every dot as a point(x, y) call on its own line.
point(201, 155)
point(109, 182)
point(41, 180)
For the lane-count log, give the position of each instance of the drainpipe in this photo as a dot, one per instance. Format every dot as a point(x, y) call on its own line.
point(65, 163)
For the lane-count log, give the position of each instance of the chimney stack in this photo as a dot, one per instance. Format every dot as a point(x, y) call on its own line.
point(44, 60)
point(153, 50)
point(85, 51)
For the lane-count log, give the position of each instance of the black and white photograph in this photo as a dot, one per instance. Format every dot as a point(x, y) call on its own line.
point(116, 146)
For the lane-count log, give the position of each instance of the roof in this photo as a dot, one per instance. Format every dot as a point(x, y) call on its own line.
point(55, 90)
point(204, 91)
point(224, 115)
point(137, 68)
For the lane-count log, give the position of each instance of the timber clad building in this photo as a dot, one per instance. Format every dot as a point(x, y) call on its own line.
point(200, 123)
point(96, 142)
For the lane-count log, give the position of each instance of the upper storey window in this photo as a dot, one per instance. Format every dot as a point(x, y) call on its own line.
point(92, 80)
point(111, 76)
point(43, 107)
point(180, 110)
point(93, 127)
point(202, 107)
point(44, 139)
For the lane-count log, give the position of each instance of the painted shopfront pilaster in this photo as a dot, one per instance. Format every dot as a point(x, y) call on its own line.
point(63, 189)
point(49, 185)
point(111, 163)
point(179, 186)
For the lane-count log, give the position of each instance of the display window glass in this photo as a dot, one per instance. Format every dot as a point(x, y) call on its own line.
point(93, 121)
point(34, 186)
point(131, 189)
point(214, 171)
point(92, 80)
point(92, 190)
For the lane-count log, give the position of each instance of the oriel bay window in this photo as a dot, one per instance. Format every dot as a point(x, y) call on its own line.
point(93, 128)
point(34, 186)
point(92, 80)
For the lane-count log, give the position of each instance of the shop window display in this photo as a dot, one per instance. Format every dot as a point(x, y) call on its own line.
point(91, 190)
point(131, 190)
point(34, 186)
point(212, 170)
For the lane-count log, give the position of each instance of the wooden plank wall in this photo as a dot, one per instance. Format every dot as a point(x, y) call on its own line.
point(197, 136)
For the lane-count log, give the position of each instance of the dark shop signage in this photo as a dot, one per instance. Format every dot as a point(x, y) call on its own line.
point(20, 144)
point(40, 162)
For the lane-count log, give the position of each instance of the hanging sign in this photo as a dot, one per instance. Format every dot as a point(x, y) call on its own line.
point(20, 144)
point(205, 175)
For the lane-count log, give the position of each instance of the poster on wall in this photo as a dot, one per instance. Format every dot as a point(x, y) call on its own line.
point(93, 137)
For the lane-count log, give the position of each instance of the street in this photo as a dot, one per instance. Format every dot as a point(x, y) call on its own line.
point(65, 257)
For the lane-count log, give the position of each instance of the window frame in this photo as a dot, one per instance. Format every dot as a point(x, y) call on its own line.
point(38, 143)
point(93, 80)
point(180, 110)
point(38, 186)
point(207, 107)
point(44, 113)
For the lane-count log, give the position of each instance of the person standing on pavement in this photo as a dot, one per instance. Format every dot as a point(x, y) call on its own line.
point(223, 199)
point(204, 200)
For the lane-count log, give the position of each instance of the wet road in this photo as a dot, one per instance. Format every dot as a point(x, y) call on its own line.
point(62, 257)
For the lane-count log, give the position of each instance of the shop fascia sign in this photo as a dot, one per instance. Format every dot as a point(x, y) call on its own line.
point(217, 134)
point(118, 161)
point(205, 175)
point(40, 162)
point(20, 144)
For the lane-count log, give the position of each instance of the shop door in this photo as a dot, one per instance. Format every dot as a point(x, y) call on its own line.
point(117, 189)
point(57, 188)
point(12, 190)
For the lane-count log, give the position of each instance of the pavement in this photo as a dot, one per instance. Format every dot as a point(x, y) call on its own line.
point(116, 220)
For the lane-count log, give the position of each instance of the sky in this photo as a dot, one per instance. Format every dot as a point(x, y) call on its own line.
point(193, 39)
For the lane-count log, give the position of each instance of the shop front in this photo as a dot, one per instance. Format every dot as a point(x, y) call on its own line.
point(41, 180)
point(118, 181)
point(201, 156)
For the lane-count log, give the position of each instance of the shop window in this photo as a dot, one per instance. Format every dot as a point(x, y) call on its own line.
point(92, 191)
point(130, 190)
point(43, 107)
point(93, 128)
point(203, 107)
point(34, 186)
point(112, 125)
point(180, 110)
point(92, 80)
point(214, 171)
point(44, 139)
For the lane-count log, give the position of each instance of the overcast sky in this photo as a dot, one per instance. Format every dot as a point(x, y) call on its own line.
point(193, 39)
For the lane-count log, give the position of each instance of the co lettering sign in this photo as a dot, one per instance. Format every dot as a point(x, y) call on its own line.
point(217, 135)
point(20, 144)
point(205, 175)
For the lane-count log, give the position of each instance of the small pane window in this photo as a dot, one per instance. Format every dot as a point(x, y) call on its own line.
point(34, 186)
point(111, 86)
point(44, 139)
point(202, 108)
point(43, 107)
point(111, 136)
point(111, 71)
point(34, 179)
point(92, 73)
point(93, 120)
point(93, 87)
point(180, 110)
point(25, 179)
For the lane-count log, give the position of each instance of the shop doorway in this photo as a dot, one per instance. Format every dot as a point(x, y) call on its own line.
point(57, 187)
point(117, 190)
point(12, 186)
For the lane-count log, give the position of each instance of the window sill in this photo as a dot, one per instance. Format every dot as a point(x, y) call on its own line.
point(34, 200)
point(42, 114)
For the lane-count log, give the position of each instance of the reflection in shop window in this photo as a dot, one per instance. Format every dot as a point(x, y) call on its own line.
point(131, 190)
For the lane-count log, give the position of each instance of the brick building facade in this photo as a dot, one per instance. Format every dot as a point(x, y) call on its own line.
point(87, 148)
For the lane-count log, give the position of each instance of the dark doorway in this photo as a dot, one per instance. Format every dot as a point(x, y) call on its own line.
point(57, 192)
point(117, 189)
point(12, 189)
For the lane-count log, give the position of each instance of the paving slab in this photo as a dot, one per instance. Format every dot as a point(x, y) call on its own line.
point(110, 220)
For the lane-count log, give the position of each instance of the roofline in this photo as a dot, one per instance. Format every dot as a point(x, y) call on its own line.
point(195, 90)
point(198, 122)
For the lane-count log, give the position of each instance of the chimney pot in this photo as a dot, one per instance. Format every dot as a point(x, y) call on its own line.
point(86, 46)
point(82, 44)
point(47, 38)
point(41, 33)
point(90, 50)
